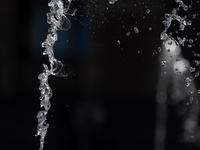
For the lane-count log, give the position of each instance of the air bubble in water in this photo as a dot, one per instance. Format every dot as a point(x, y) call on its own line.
point(136, 30)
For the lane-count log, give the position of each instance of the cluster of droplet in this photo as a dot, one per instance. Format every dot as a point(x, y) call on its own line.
point(182, 23)
point(57, 20)
point(174, 16)
point(180, 41)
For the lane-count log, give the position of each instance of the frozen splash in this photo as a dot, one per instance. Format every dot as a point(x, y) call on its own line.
point(58, 21)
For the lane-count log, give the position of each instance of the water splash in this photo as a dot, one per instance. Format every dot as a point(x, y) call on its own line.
point(58, 21)
point(174, 16)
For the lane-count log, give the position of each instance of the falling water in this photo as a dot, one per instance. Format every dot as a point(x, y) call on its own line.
point(58, 21)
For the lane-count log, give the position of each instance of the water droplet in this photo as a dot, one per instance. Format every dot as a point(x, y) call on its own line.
point(118, 41)
point(192, 92)
point(164, 63)
point(112, 1)
point(187, 103)
point(148, 11)
point(189, 45)
point(159, 49)
point(191, 99)
point(150, 28)
point(136, 30)
point(197, 74)
point(192, 137)
point(198, 91)
point(194, 16)
point(65, 23)
point(128, 33)
point(192, 69)
point(163, 36)
point(197, 101)
point(188, 81)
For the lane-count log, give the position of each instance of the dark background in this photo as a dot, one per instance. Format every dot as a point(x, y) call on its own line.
point(108, 102)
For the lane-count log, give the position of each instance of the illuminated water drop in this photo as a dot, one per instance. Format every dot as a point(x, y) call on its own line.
point(159, 49)
point(191, 99)
point(128, 33)
point(192, 92)
point(148, 11)
point(197, 74)
point(163, 36)
point(188, 81)
point(136, 30)
point(118, 41)
point(191, 40)
point(192, 69)
point(150, 28)
point(112, 1)
point(194, 16)
point(163, 63)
